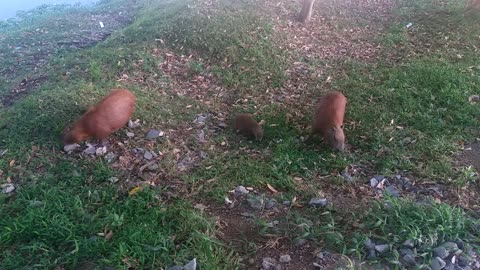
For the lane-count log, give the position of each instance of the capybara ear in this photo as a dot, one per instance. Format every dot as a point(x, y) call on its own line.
point(261, 123)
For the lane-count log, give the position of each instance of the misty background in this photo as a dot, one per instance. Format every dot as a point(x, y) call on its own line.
point(8, 9)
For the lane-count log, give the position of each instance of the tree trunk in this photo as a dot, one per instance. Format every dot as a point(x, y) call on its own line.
point(306, 12)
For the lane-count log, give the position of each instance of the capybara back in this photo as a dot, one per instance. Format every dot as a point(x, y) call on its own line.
point(328, 119)
point(248, 126)
point(109, 115)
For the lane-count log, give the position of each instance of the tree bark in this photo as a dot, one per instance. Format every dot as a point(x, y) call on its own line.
point(306, 12)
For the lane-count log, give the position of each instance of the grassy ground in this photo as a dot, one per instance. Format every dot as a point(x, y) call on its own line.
point(408, 113)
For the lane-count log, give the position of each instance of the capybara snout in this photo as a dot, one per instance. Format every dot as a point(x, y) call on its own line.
point(328, 119)
point(109, 115)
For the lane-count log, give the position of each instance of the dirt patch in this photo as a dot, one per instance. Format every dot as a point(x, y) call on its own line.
point(470, 156)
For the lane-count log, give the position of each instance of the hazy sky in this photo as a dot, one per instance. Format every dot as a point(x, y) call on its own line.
point(8, 8)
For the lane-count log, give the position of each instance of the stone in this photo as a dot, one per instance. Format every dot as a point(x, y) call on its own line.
point(369, 244)
point(191, 265)
point(256, 202)
point(70, 147)
point(382, 248)
point(270, 203)
point(200, 119)
point(392, 191)
point(451, 247)
point(373, 182)
point(440, 252)
point(437, 263)
point(406, 251)
point(460, 244)
point(153, 134)
point(269, 263)
point(409, 243)
point(203, 155)
point(101, 151)
point(318, 202)
point(379, 177)
point(299, 242)
point(285, 258)
point(113, 180)
point(130, 134)
point(90, 150)
point(110, 157)
point(463, 261)
point(7, 188)
point(148, 155)
point(176, 267)
point(134, 124)
point(241, 190)
point(154, 167)
point(409, 259)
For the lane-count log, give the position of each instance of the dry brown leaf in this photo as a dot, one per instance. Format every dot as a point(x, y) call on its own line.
point(12, 162)
point(109, 235)
point(272, 189)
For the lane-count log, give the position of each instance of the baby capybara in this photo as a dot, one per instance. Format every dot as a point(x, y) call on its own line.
point(249, 127)
point(109, 115)
point(328, 119)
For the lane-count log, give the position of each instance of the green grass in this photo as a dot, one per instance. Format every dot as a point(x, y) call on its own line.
point(409, 115)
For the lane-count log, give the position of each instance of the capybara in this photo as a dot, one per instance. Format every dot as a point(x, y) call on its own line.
point(328, 119)
point(109, 115)
point(248, 126)
point(471, 6)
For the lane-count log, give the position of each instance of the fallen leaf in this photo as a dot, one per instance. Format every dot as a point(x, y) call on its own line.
point(271, 188)
point(12, 162)
point(109, 235)
point(134, 191)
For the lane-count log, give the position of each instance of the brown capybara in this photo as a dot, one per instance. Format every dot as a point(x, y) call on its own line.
point(471, 6)
point(248, 126)
point(328, 119)
point(109, 115)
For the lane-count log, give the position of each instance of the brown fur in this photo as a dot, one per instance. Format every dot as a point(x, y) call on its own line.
point(328, 119)
point(109, 115)
point(471, 6)
point(248, 126)
point(306, 12)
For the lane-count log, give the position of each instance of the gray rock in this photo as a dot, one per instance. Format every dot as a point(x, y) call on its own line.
point(203, 155)
point(440, 252)
point(70, 147)
point(286, 203)
point(398, 176)
point(409, 243)
point(372, 254)
point(379, 177)
point(256, 202)
point(409, 259)
point(373, 182)
point(191, 265)
point(369, 244)
point(382, 248)
point(285, 258)
point(406, 251)
point(318, 202)
point(153, 134)
point(269, 263)
point(270, 203)
point(347, 176)
point(110, 157)
point(7, 188)
point(154, 167)
point(101, 151)
point(449, 266)
point(463, 261)
point(451, 247)
point(241, 190)
point(130, 134)
point(90, 150)
point(148, 155)
point(460, 244)
point(133, 124)
point(113, 180)
point(392, 191)
point(299, 242)
point(437, 263)
point(200, 119)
